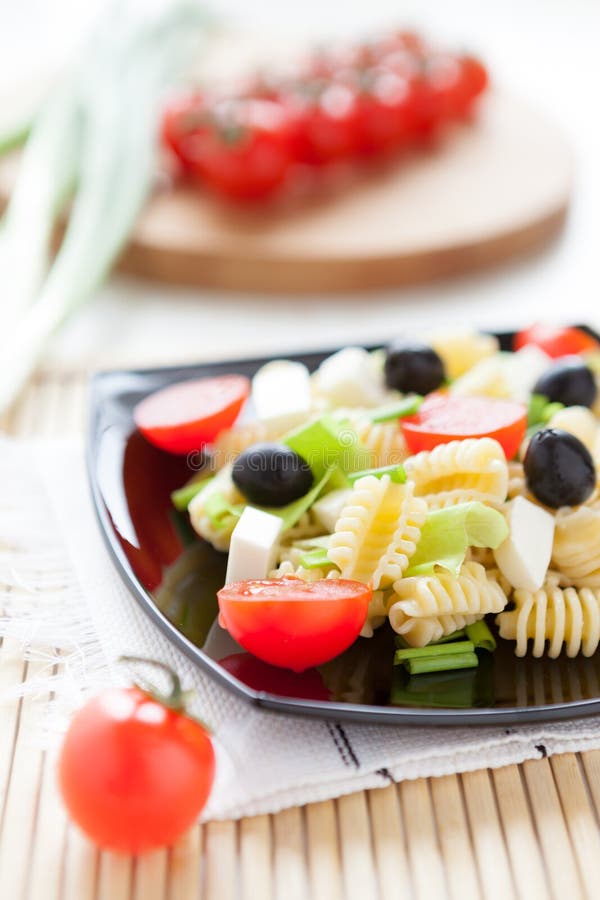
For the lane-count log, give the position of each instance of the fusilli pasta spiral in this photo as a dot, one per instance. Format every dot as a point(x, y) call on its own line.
point(233, 441)
point(377, 531)
point(384, 439)
point(418, 632)
point(469, 593)
point(473, 469)
point(555, 615)
point(576, 549)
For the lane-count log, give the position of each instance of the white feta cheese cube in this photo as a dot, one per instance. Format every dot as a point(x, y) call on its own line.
point(524, 557)
point(253, 548)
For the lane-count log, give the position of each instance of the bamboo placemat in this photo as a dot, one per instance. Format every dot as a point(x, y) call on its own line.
point(529, 831)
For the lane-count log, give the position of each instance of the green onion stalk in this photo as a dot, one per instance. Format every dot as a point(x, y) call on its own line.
point(97, 134)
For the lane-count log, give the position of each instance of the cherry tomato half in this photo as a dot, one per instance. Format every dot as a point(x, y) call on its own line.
point(294, 624)
point(134, 774)
point(443, 417)
point(556, 341)
point(186, 416)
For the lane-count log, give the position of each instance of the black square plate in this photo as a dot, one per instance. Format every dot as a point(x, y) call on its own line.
point(174, 577)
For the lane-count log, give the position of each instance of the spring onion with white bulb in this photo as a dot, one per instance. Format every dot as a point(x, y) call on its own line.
point(97, 135)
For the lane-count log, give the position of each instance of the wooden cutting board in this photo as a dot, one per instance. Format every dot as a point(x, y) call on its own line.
point(491, 191)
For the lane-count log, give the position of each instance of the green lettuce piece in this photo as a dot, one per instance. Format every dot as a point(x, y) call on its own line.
point(396, 473)
point(316, 559)
point(325, 444)
point(293, 511)
point(406, 407)
point(223, 516)
point(447, 533)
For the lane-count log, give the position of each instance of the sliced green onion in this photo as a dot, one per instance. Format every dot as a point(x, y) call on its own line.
point(406, 407)
point(133, 54)
point(396, 473)
point(459, 635)
point(448, 533)
point(183, 496)
point(432, 650)
point(423, 664)
point(480, 635)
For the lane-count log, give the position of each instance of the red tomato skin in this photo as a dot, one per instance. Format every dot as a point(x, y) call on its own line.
point(133, 774)
point(247, 155)
point(324, 128)
point(556, 341)
point(171, 418)
point(295, 634)
point(182, 116)
point(466, 417)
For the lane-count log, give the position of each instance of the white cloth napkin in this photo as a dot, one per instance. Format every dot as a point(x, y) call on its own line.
point(58, 589)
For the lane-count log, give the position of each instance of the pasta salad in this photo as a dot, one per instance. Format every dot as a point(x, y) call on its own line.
point(434, 487)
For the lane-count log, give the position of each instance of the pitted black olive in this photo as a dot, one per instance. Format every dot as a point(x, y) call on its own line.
point(559, 469)
point(413, 367)
point(271, 475)
point(568, 381)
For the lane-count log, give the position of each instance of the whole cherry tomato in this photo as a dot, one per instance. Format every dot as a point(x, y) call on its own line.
point(386, 112)
point(238, 148)
point(325, 123)
point(135, 773)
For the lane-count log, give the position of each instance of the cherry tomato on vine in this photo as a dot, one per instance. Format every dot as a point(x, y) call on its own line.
point(556, 341)
point(183, 117)
point(324, 123)
point(240, 149)
point(135, 773)
point(386, 112)
point(292, 623)
point(186, 416)
point(445, 417)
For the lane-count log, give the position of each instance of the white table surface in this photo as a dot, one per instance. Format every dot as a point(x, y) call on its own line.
point(547, 50)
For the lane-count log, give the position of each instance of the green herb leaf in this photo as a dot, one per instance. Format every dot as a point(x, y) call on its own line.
point(447, 534)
